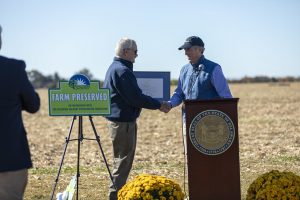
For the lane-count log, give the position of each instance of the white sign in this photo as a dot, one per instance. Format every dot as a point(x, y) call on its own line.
point(151, 86)
point(154, 84)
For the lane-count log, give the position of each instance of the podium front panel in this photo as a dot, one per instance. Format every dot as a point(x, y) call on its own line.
point(213, 149)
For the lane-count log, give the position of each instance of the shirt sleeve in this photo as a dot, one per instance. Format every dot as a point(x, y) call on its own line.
point(132, 94)
point(178, 96)
point(29, 98)
point(219, 82)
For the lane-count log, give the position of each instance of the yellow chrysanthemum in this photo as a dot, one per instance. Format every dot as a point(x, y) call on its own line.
point(151, 187)
point(275, 185)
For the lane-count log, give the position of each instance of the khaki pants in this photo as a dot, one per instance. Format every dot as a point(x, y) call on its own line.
point(123, 136)
point(13, 184)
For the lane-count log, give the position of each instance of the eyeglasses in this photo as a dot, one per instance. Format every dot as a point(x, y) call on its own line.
point(135, 51)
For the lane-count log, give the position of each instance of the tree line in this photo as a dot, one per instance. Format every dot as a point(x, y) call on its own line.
point(40, 80)
point(265, 79)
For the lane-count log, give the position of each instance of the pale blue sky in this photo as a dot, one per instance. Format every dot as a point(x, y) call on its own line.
point(258, 37)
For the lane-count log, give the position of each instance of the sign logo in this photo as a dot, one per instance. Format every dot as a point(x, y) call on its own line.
point(79, 81)
point(212, 132)
point(79, 97)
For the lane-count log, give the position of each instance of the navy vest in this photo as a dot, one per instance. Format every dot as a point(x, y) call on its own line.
point(202, 87)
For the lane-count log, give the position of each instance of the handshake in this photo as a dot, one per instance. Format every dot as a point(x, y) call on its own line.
point(165, 107)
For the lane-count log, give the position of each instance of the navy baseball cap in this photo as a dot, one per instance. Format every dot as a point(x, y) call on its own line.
point(192, 41)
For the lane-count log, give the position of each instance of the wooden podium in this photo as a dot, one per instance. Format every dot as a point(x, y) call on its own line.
point(213, 149)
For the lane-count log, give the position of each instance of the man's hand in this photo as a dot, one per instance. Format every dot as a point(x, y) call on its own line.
point(165, 107)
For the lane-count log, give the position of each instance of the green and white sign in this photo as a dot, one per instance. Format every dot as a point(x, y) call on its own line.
point(79, 97)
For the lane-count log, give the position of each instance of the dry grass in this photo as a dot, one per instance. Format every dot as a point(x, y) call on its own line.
point(269, 131)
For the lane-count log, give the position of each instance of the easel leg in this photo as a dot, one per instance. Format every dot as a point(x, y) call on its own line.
point(80, 138)
point(63, 156)
point(102, 152)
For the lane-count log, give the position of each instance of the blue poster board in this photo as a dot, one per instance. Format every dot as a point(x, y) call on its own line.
point(154, 84)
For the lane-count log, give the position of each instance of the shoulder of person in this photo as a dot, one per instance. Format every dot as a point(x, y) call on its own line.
point(13, 62)
point(12, 65)
point(185, 67)
point(119, 68)
point(211, 63)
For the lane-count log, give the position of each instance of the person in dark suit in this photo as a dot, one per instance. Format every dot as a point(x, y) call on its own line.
point(16, 94)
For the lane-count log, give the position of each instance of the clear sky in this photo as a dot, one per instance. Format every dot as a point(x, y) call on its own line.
point(257, 37)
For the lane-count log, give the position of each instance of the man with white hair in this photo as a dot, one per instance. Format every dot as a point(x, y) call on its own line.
point(127, 100)
point(17, 94)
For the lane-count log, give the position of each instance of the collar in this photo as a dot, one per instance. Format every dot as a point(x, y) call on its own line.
point(196, 65)
point(124, 62)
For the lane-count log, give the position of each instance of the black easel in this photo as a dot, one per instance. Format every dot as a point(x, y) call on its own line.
point(80, 139)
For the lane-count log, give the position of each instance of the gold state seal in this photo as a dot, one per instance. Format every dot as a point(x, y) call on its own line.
point(212, 132)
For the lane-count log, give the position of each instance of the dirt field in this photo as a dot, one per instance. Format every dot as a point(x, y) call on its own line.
point(269, 135)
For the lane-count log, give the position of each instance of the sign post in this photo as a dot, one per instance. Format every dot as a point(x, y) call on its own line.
point(79, 97)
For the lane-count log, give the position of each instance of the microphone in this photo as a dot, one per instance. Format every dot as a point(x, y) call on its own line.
point(200, 67)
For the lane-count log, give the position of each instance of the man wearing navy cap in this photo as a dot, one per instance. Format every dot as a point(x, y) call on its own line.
point(199, 79)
